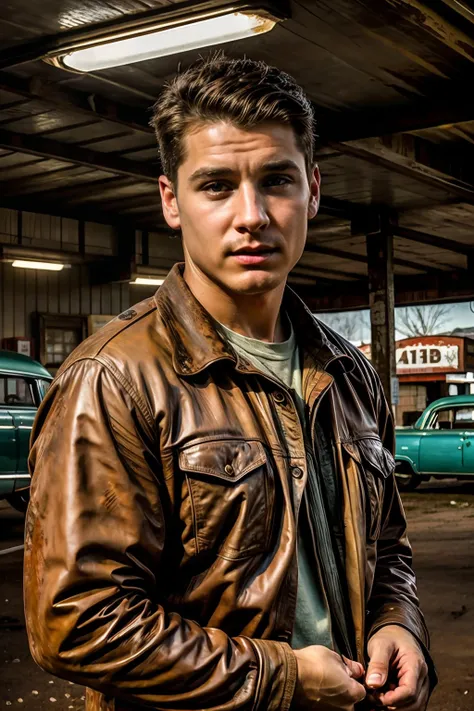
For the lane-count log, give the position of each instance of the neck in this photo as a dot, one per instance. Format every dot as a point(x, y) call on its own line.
point(256, 315)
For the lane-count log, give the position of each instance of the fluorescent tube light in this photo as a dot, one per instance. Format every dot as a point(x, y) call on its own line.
point(194, 35)
point(49, 266)
point(148, 281)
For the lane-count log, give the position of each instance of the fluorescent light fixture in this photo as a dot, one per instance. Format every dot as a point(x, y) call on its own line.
point(49, 266)
point(142, 44)
point(147, 281)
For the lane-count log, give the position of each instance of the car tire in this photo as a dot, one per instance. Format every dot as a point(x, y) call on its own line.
point(407, 479)
point(19, 500)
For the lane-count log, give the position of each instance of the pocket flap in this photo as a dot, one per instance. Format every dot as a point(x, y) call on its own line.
point(225, 459)
point(376, 456)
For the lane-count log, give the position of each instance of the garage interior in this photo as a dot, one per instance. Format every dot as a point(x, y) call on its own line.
point(390, 81)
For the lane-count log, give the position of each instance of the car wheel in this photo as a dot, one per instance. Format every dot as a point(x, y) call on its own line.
point(407, 480)
point(19, 500)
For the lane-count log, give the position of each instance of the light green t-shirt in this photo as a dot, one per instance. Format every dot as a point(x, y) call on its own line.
point(281, 361)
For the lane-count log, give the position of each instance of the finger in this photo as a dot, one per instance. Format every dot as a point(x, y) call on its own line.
point(403, 697)
point(355, 669)
point(377, 671)
point(413, 685)
point(357, 691)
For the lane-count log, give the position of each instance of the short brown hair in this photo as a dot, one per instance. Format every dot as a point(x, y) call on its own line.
point(242, 91)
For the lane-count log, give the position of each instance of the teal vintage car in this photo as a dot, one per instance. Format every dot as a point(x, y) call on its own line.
point(440, 443)
point(23, 384)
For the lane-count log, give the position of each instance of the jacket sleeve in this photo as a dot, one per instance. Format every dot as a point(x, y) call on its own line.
point(94, 565)
point(394, 598)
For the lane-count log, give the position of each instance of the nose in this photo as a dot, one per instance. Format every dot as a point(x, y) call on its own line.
point(251, 213)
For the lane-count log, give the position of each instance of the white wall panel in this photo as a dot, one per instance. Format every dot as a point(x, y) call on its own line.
point(25, 292)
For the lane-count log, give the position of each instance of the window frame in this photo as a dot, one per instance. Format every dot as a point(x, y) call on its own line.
point(30, 381)
point(453, 408)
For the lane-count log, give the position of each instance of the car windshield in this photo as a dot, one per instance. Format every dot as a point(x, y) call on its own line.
point(15, 390)
point(44, 386)
point(453, 418)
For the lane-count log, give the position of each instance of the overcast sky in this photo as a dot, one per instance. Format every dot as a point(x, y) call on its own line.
point(460, 316)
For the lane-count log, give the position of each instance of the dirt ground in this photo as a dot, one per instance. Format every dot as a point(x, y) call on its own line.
point(441, 520)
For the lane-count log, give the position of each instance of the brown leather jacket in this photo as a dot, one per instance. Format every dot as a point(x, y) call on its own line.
point(160, 541)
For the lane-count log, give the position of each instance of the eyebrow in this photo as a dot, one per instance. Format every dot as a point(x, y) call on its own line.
point(271, 167)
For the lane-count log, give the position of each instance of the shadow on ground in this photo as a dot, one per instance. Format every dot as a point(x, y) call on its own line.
point(441, 525)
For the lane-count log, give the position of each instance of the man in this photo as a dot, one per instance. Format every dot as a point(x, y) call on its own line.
point(214, 522)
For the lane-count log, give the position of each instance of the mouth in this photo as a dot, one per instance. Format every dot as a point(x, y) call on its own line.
point(255, 254)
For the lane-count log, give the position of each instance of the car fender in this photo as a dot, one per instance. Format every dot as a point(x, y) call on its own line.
point(411, 462)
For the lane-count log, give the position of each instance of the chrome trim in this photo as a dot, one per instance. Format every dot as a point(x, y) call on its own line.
point(14, 475)
point(5, 551)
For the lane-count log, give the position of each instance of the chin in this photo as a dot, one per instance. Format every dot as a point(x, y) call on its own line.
point(256, 282)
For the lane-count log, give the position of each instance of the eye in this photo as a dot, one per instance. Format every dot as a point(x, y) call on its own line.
point(216, 187)
point(277, 181)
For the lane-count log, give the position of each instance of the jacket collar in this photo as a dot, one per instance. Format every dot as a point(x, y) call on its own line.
point(196, 342)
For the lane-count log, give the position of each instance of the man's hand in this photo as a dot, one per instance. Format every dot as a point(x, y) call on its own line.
point(326, 682)
point(395, 657)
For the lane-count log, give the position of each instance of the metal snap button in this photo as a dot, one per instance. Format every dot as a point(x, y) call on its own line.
point(278, 396)
point(229, 469)
point(297, 472)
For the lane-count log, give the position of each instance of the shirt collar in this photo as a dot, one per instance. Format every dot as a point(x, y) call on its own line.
point(196, 342)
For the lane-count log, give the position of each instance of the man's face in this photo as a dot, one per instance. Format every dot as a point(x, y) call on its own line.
point(242, 202)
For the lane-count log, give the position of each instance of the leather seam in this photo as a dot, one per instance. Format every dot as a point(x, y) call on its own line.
point(126, 385)
point(194, 515)
point(218, 475)
point(129, 388)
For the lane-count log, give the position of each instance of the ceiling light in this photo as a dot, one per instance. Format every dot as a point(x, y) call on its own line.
point(49, 266)
point(161, 37)
point(147, 281)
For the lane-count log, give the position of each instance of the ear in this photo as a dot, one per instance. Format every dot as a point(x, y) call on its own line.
point(315, 188)
point(169, 202)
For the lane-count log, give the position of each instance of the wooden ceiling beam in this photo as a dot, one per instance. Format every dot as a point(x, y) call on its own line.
point(36, 182)
point(409, 291)
point(313, 270)
point(335, 207)
point(457, 106)
point(377, 153)
point(461, 9)
point(62, 209)
point(90, 105)
point(424, 16)
point(432, 240)
point(362, 258)
point(126, 202)
point(80, 155)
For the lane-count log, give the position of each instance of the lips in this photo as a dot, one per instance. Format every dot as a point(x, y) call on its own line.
point(253, 256)
point(259, 250)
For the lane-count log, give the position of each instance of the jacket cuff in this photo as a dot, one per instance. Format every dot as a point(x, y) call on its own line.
point(407, 616)
point(418, 631)
point(277, 677)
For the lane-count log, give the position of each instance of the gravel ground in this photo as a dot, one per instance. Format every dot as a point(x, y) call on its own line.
point(441, 520)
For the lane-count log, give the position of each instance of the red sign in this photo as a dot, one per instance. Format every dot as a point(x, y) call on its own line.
point(427, 354)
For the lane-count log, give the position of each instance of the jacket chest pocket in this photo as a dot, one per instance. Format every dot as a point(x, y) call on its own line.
point(231, 487)
point(376, 465)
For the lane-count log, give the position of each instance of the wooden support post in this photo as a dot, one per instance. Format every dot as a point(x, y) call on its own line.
point(382, 304)
point(145, 248)
point(470, 265)
point(81, 237)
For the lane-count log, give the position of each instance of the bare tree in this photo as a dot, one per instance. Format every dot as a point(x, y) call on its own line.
point(350, 324)
point(422, 320)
